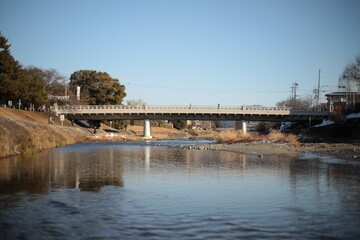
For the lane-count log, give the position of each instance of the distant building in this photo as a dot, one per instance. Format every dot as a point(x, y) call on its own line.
point(341, 101)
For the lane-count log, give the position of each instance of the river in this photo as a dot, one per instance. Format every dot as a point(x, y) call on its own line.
point(148, 190)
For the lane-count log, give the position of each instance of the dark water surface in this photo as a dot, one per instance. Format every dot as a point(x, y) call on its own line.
point(139, 190)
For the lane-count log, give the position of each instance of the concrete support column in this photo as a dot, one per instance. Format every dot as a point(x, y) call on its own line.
point(241, 125)
point(147, 129)
point(244, 127)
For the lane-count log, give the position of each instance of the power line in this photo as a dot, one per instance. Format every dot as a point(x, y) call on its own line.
point(202, 89)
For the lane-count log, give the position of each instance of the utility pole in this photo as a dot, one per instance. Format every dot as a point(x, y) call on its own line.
point(295, 86)
point(354, 97)
point(318, 91)
point(293, 92)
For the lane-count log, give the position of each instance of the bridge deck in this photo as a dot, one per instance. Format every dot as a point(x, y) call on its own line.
point(163, 112)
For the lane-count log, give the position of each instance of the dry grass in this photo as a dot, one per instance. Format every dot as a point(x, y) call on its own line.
point(24, 137)
point(236, 136)
point(207, 134)
point(39, 117)
point(280, 137)
point(160, 133)
point(161, 136)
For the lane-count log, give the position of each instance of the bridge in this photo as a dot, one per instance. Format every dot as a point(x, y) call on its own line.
point(187, 112)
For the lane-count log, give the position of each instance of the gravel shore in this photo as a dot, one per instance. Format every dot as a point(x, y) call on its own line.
point(339, 150)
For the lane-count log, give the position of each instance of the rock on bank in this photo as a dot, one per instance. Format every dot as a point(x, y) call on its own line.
point(23, 137)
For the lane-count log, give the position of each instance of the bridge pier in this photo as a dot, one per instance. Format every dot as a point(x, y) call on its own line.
point(241, 125)
point(147, 129)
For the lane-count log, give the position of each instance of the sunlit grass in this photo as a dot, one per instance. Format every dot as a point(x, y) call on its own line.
point(25, 137)
point(280, 137)
point(236, 136)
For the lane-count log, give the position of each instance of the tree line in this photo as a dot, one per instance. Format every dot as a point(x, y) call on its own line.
point(35, 88)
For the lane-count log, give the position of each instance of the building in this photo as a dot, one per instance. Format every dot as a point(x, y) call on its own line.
point(341, 101)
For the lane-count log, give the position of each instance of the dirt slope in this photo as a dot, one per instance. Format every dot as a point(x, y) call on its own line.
point(23, 132)
point(39, 117)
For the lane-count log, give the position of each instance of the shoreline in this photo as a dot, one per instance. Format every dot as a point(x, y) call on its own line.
point(21, 137)
point(345, 151)
point(24, 132)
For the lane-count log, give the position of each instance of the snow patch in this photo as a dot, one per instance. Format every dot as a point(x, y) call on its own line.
point(325, 123)
point(285, 125)
point(353, 115)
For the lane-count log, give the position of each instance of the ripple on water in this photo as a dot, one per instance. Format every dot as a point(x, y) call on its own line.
point(149, 191)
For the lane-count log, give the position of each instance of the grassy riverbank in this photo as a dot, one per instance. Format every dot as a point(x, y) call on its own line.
point(24, 132)
point(24, 137)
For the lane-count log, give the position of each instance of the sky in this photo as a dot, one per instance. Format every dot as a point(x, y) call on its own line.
point(203, 52)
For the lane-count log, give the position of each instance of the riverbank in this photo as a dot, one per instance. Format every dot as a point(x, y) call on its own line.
point(25, 137)
point(344, 151)
point(26, 132)
point(23, 132)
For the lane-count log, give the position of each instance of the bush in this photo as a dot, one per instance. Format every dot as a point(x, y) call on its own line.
point(179, 124)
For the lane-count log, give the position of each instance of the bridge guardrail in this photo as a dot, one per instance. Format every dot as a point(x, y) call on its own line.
point(181, 109)
point(169, 107)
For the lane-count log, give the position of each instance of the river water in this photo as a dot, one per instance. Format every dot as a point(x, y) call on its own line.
point(148, 190)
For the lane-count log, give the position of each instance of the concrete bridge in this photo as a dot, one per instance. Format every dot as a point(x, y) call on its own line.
point(182, 112)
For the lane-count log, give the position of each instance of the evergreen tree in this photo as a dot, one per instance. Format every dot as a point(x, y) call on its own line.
point(10, 74)
point(15, 84)
point(100, 87)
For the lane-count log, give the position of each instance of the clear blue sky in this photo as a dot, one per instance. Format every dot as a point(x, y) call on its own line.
point(190, 51)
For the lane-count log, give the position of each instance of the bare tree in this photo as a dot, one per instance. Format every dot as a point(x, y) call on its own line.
point(350, 77)
point(298, 103)
point(134, 102)
point(55, 83)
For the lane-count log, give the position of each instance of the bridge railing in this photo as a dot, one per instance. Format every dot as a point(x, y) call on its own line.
point(182, 109)
point(169, 107)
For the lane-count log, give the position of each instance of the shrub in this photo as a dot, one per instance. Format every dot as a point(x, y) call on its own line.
point(278, 136)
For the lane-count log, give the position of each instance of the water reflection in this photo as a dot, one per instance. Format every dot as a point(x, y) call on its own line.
point(326, 181)
point(60, 169)
point(100, 166)
point(147, 152)
point(131, 191)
